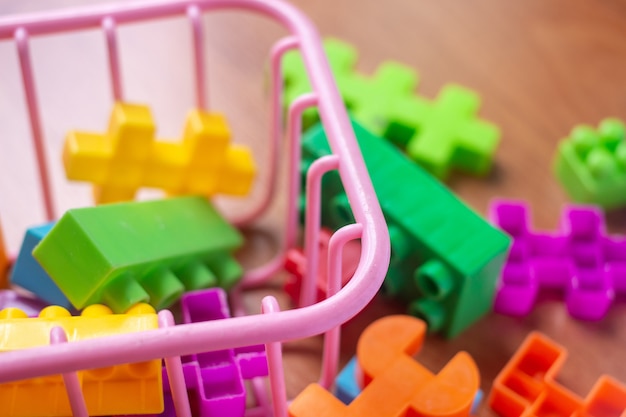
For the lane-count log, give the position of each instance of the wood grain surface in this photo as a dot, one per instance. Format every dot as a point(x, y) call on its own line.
point(541, 67)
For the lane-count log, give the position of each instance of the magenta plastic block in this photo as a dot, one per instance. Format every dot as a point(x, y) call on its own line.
point(580, 260)
point(215, 380)
point(30, 305)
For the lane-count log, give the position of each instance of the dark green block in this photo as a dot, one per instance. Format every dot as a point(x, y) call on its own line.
point(445, 259)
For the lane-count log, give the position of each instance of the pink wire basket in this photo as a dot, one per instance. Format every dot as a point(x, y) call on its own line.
point(272, 327)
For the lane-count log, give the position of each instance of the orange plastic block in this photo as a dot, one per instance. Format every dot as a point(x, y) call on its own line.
point(527, 386)
point(395, 385)
point(127, 157)
point(124, 389)
point(4, 263)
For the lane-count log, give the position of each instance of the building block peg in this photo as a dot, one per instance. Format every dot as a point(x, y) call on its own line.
point(591, 164)
point(150, 251)
point(395, 384)
point(122, 389)
point(527, 386)
point(127, 157)
point(580, 260)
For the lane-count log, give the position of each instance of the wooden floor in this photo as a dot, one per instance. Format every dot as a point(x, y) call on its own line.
point(541, 67)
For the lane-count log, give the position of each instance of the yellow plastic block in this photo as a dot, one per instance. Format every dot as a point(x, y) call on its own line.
point(238, 172)
point(127, 157)
point(131, 131)
point(4, 263)
point(206, 139)
point(86, 156)
point(123, 389)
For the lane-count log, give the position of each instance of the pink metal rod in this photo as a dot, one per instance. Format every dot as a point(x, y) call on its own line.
point(269, 305)
point(175, 376)
point(332, 338)
point(108, 24)
point(195, 18)
point(70, 379)
point(312, 224)
point(238, 331)
point(276, 125)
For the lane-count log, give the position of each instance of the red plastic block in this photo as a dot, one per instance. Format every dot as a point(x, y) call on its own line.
point(295, 264)
point(395, 385)
point(527, 386)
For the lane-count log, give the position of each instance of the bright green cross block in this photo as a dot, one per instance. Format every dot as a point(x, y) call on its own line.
point(342, 58)
point(123, 254)
point(447, 134)
point(591, 164)
point(375, 101)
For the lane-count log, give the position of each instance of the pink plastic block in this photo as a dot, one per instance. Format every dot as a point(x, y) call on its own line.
point(215, 380)
point(295, 265)
point(580, 260)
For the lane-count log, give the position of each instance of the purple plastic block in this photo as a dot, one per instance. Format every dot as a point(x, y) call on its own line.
point(29, 305)
point(580, 260)
point(215, 380)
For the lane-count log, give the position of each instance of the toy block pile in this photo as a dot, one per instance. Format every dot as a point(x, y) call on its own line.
point(109, 260)
point(441, 135)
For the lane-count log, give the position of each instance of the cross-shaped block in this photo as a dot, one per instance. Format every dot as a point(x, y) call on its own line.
point(448, 134)
point(127, 157)
point(395, 384)
point(527, 386)
point(215, 380)
point(591, 164)
point(341, 57)
point(580, 260)
point(371, 99)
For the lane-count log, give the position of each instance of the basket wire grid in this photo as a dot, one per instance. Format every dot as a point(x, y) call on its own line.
point(272, 326)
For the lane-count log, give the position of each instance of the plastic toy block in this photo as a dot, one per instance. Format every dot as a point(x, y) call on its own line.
point(341, 57)
point(347, 387)
point(28, 274)
point(29, 305)
point(396, 385)
point(126, 253)
point(445, 258)
point(127, 157)
point(580, 260)
point(371, 98)
point(527, 386)
point(215, 380)
point(591, 164)
point(122, 389)
point(448, 134)
point(4, 262)
point(295, 265)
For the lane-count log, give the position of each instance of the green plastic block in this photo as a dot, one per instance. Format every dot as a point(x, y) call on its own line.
point(374, 100)
point(122, 254)
point(445, 258)
point(341, 57)
point(448, 135)
point(591, 164)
